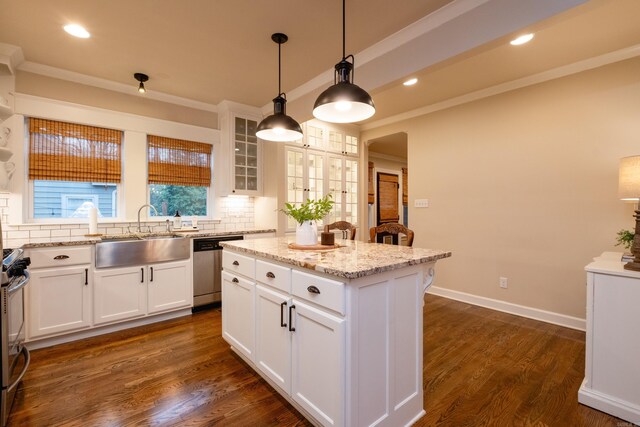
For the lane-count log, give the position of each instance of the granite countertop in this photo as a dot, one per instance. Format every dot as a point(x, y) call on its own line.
point(355, 259)
point(91, 240)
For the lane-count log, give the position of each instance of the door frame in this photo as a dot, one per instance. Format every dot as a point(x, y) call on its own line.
point(373, 209)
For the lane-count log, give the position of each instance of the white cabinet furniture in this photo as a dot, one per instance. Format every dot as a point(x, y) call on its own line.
point(343, 351)
point(612, 368)
point(246, 169)
point(120, 294)
point(130, 292)
point(59, 292)
point(169, 287)
point(324, 162)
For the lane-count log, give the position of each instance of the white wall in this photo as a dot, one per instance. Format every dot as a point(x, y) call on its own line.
point(524, 185)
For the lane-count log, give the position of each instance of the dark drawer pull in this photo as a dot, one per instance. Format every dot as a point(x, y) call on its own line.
point(291, 328)
point(151, 278)
point(235, 263)
point(59, 257)
point(235, 280)
point(86, 276)
point(142, 275)
point(270, 275)
point(313, 289)
point(282, 306)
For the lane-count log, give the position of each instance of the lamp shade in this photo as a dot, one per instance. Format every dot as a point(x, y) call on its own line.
point(344, 102)
point(629, 178)
point(278, 126)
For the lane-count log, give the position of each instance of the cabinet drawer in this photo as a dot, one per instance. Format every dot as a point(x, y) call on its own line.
point(56, 257)
point(325, 292)
point(274, 275)
point(235, 263)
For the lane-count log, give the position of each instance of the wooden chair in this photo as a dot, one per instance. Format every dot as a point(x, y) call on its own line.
point(392, 229)
point(348, 229)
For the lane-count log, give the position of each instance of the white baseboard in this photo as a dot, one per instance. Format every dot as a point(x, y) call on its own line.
point(100, 330)
point(609, 404)
point(507, 307)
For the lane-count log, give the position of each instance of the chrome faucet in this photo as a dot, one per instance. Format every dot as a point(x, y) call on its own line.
point(154, 209)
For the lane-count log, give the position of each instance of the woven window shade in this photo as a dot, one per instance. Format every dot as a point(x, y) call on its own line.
point(70, 152)
point(178, 162)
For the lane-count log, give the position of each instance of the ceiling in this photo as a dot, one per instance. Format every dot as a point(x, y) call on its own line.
point(213, 50)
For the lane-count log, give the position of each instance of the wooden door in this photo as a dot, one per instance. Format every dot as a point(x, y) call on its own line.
point(388, 188)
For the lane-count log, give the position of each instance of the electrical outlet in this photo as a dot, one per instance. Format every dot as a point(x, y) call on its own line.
point(504, 283)
point(421, 203)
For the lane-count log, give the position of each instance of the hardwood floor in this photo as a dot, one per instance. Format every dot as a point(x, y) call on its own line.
point(482, 368)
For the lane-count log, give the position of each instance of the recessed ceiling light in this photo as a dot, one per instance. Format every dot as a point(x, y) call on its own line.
point(77, 31)
point(410, 82)
point(522, 39)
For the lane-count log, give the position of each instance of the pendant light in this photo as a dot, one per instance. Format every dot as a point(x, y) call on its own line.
point(279, 126)
point(141, 78)
point(344, 102)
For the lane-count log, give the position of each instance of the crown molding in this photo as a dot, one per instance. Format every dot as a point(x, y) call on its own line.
point(11, 57)
point(59, 73)
point(556, 73)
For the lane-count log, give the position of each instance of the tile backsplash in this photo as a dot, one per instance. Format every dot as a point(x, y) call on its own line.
point(234, 213)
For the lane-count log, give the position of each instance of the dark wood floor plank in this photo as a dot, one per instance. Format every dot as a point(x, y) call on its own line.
point(481, 368)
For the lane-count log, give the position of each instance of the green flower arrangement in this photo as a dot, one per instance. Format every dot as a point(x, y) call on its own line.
point(311, 210)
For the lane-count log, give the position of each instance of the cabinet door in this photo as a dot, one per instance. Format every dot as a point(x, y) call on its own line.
point(335, 178)
point(169, 286)
point(318, 363)
point(119, 294)
point(238, 313)
point(295, 180)
point(273, 339)
point(59, 300)
point(246, 157)
point(350, 195)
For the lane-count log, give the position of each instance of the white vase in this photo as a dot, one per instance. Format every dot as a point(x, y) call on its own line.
point(307, 233)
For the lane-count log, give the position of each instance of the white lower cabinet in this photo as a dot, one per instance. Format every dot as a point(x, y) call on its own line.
point(59, 300)
point(238, 314)
point(273, 338)
point(120, 293)
point(169, 286)
point(317, 363)
point(130, 292)
point(345, 352)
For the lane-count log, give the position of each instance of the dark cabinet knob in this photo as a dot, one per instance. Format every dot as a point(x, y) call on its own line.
point(59, 257)
point(270, 275)
point(313, 289)
point(235, 280)
point(236, 263)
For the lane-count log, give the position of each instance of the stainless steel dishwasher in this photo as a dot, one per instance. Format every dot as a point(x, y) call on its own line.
point(207, 269)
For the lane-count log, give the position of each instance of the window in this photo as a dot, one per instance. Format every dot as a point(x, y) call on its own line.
point(72, 168)
point(179, 175)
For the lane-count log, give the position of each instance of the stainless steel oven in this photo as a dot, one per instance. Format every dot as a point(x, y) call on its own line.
point(15, 356)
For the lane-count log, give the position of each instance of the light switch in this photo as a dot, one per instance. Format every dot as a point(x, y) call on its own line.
point(421, 203)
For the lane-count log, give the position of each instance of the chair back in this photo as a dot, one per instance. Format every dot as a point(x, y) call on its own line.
point(348, 229)
point(392, 229)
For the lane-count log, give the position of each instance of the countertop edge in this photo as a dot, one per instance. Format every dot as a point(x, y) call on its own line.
point(340, 273)
point(93, 240)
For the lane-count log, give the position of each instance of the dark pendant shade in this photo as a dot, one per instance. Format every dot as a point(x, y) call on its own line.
point(278, 126)
point(344, 102)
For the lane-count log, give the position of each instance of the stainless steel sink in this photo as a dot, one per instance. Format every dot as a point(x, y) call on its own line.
point(138, 250)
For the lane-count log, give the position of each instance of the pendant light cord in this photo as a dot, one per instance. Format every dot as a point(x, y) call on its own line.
point(279, 69)
point(344, 36)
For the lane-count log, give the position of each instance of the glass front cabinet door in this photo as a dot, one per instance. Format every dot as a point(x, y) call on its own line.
point(246, 169)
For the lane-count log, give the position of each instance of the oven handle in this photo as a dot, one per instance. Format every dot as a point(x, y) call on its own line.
point(21, 284)
point(27, 360)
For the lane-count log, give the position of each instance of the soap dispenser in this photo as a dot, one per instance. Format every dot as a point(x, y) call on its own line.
point(177, 221)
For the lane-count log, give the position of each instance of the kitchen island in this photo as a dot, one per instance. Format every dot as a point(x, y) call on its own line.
point(338, 333)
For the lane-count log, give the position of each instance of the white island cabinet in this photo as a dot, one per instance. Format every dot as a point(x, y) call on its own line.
point(612, 366)
point(337, 333)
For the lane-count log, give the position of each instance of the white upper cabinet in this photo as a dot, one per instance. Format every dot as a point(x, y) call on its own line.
point(238, 165)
